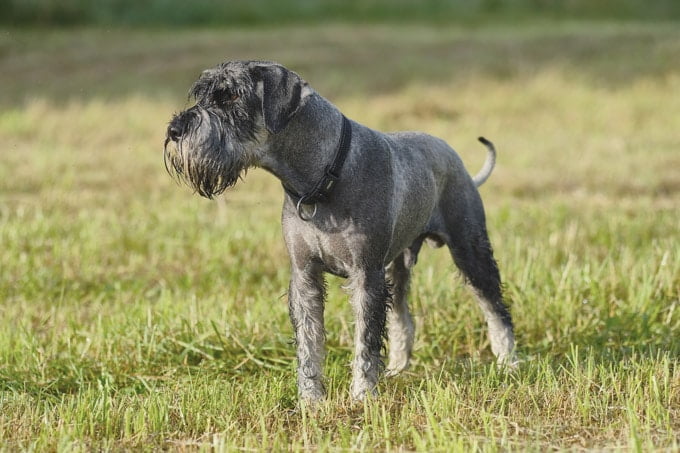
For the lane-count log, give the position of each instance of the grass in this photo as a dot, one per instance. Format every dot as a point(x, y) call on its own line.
point(137, 316)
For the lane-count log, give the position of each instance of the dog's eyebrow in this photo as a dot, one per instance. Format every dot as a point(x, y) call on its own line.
point(202, 87)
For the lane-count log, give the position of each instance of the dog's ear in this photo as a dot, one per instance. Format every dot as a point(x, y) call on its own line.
point(282, 94)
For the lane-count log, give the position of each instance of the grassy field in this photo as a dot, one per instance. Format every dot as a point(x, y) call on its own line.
point(135, 315)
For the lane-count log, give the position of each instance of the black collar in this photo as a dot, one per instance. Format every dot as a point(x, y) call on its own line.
point(323, 188)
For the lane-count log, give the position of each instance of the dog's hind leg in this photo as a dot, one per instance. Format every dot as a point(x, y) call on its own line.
point(400, 327)
point(469, 244)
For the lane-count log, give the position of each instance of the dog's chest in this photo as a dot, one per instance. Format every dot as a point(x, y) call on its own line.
point(340, 251)
point(340, 246)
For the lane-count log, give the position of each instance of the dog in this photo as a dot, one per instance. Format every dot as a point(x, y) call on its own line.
point(358, 204)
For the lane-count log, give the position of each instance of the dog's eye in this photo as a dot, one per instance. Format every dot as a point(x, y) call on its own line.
point(224, 96)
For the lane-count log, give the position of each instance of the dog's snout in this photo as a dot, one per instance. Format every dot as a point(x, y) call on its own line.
point(174, 132)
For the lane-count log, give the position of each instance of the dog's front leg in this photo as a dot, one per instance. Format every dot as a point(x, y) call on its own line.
point(306, 305)
point(369, 300)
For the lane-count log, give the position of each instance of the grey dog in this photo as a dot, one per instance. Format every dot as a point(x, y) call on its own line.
point(358, 204)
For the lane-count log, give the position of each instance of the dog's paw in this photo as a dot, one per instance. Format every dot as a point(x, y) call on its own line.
point(399, 360)
point(509, 362)
point(393, 369)
point(311, 390)
point(361, 392)
point(390, 372)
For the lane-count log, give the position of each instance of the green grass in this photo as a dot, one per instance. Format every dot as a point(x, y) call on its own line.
point(138, 316)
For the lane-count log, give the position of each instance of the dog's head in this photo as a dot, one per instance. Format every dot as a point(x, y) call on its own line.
point(238, 106)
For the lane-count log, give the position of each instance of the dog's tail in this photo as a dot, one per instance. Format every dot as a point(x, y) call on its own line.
point(486, 170)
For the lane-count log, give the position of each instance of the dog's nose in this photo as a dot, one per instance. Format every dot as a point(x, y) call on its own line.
point(174, 132)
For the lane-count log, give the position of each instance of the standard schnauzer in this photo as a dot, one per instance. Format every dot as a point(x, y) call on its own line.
point(358, 204)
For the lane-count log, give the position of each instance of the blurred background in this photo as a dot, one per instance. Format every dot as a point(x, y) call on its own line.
point(325, 49)
point(267, 12)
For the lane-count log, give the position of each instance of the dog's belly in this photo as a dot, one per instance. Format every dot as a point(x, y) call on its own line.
point(410, 223)
point(421, 164)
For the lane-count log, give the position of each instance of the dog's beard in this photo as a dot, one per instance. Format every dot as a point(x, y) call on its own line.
point(206, 158)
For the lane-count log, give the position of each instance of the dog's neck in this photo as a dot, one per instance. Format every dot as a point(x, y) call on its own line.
point(297, 157)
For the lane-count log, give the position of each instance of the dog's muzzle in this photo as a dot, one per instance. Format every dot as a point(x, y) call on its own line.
point(178, 126)
point(174, 133)
point(202, 153)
